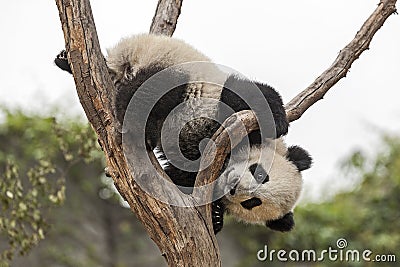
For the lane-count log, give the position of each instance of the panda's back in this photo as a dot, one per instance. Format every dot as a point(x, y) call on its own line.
point(145, 50)
point(195, 103)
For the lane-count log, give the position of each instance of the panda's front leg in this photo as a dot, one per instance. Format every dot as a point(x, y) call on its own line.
point(277, 109)
point(61, 61)
point(281, 122)
point(238, 91)
point(217, 214)
point(284, 224)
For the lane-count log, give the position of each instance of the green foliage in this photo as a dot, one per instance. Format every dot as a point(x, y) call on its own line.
point(23, 205)
point(89, 229)
point(36, 152)
point(24, 138)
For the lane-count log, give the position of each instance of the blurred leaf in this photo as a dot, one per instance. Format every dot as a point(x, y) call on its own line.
point(35, 154)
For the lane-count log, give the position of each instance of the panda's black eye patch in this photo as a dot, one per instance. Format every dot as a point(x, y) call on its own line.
point(259, 173)
point(251, 203)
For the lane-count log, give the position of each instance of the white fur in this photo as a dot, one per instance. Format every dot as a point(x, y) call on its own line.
point(278, 195)
point(144, 50)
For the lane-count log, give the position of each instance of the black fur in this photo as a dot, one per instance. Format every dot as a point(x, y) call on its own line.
point(233, 187)
point(163, 106)
point(236, 87)
point(284, 224)
point(61, 61)
point(259, 174)
point(251, 203)
point(299, 157)
point(217, 214)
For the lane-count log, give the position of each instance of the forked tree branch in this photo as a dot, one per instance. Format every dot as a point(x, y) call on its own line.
point(316, 91)
point(184, 235)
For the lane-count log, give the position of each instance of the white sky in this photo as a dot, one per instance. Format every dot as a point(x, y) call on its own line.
point(284, 43)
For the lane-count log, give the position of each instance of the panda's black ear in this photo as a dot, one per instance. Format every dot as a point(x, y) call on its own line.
point(299, 157)
point(284, 224)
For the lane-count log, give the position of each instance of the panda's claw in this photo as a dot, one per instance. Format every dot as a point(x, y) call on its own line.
point(62, 55)
point(217, 215)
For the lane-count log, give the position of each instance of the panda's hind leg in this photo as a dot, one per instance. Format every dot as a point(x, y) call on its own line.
point(184, 179)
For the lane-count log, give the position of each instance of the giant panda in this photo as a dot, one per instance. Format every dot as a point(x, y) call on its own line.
point(137, 59)
point(262, 190)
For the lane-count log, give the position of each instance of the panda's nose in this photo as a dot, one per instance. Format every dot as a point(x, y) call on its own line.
point(233, 185)
point(232, 181)
point(233, 190)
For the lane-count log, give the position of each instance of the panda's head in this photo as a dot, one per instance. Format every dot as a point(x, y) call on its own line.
point(264, 188)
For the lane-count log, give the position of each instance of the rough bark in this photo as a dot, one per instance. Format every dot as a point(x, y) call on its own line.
point(184, 235)
point(166, 17)
point(232, 131)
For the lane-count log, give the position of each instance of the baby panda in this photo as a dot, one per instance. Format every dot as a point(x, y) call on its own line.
point(203, 93)
point(263, 187)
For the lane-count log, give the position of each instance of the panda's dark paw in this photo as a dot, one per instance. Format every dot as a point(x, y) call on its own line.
point(62, 55)
point(281, 125)
point(218, 209)
point(284, 224)
point(61, 61)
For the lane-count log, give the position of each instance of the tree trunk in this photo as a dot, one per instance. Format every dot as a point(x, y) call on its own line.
point(183, 234)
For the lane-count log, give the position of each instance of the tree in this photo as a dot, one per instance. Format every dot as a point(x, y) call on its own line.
point(184, 235)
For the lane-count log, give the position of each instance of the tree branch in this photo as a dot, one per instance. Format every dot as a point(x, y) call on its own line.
point(166, 17)
point(298, 105)
point(232, 131)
